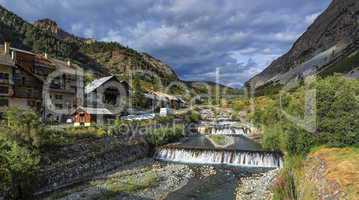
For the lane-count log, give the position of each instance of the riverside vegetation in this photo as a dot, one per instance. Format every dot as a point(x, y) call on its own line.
point(24, 140)
point(337, 126)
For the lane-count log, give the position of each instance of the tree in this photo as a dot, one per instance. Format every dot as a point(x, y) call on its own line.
point(24, 125)
point(138, 94)
point(18, 166)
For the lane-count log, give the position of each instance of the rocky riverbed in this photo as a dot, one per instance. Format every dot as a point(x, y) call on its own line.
point(256, 187)
point(141, 180)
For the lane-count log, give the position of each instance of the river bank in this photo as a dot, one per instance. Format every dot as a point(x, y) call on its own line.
point(149, 179)
point(140, 180)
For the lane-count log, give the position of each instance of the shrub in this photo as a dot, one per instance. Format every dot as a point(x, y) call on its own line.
point(192, 117)
point(18, 167)
point(273, 138)
point(55, 137)
point(164, 135)
point(24, 125)
point(338, 110)
point(299, 142)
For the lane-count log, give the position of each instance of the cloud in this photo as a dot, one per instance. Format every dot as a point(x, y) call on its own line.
point(195, 37)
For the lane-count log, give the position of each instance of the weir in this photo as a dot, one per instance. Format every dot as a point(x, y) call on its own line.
point(241, 152)
point(221, 157)
point(227, 131)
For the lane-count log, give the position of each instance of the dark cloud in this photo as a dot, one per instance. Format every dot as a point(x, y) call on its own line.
point(237, 37)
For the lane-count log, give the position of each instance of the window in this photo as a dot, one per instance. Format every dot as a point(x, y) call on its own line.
point(59, 106)
point(4, 102)
point(4, 90)
point(4, 76)
point(57, 96)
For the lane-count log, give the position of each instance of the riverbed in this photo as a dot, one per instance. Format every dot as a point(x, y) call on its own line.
point(195, 168)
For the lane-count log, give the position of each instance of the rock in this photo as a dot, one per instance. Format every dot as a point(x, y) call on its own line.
point(338, 24)
point(256, 187)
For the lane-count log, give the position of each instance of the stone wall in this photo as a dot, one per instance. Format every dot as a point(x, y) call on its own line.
point(81, 161)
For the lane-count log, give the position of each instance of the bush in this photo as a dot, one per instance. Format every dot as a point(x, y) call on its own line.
point(55, 137)
point(338, 110)
point(164, 135)
point(24, 125)
point(18, 167)
point(167, 119)
point(273, 138)
point(192, 117)
point(299, 141)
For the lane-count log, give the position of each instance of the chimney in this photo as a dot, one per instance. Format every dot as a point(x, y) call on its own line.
point(6, 47)
point(69, 63)
point(45, 55)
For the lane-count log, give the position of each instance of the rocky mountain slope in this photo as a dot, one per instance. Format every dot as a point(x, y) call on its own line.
point(46, 36)
point(52, 27)
point(101, 58)
point(329, 45)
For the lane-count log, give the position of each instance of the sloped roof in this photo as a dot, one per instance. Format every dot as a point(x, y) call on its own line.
point(95, 111)
point(96, 83)
point(163, 96)
point(22, 51)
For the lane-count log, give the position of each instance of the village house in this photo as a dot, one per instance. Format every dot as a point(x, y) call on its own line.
point(105, 99)
point(22, 77)
point(18, 87)
point(157, 100)
point(30, 81)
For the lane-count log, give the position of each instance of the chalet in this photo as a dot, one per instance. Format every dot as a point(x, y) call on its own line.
point(84, 116)
point(105, 99)
point(163, 100)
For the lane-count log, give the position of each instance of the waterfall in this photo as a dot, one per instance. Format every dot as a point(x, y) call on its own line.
point(233, 158)
point(227, 131)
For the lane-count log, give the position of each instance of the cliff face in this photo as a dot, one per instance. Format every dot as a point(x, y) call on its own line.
point(52, 27)
point(337, 24)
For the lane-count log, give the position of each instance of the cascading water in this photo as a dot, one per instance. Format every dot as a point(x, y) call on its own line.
point(227, 131)
point(233, 158)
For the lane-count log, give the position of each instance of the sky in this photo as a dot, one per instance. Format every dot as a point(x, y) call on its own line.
point(239, 38)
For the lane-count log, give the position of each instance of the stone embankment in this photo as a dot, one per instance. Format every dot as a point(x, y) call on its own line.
point(74, 164)
point(139, 180)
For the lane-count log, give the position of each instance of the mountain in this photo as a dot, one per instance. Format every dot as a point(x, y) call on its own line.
point(52, 27)
point(329, 45)
point(99, 58)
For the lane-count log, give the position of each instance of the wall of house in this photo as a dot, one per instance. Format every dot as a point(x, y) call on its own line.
point(5, 84)
point(96, 99)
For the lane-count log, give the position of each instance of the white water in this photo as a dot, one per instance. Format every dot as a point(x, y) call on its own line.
point(227, 131)
point(245, 159)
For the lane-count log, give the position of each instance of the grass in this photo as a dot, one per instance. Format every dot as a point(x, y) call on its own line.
point(129, 184)
point(342, 167)
point(218, 139)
